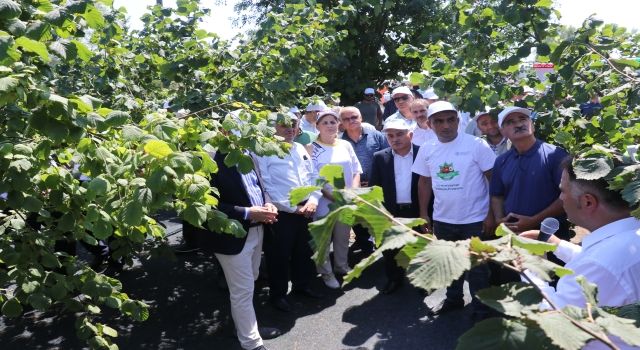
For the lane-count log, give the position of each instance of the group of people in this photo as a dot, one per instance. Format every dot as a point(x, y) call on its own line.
point(428, 167)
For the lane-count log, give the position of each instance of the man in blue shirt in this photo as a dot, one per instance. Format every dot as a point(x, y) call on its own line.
point(365, 143)
point(525, 183)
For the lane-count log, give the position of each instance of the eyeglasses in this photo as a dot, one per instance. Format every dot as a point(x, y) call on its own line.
point(401, 98)
point(369, 95)
point(351, 118)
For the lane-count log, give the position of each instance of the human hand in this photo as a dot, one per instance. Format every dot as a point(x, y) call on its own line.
point(519, 223)
point(264, 214)
point(308, 209)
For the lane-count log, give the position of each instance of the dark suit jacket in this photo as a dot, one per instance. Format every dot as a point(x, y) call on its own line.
point(232, 199)
point(383, 175)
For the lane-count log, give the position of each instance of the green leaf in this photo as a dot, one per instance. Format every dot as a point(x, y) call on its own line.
point(8, 83)
point(93, 17)
point(158, 149)
point(439, 264)
point(195, 214)
point(143, 195)
point(589, 290)
point(9, 9)
point(594, 167)
point(479, 246)
point(132, 213)
point(561, 331)
point(334, 174)
point(503, 230)
point(409, 251)
point(11, 308)
point(626, 62)
point(503, 334)
point(395, 238)
point(631, 192)
point(98, 186)
point(299, 194)
point(109, 331)
point(33, 46)
point(39, 301)
point(321, 231)
point(544, 3)
point(32, 204)
point(82, 51)
point(117, 118)
point(512, 299)
point(620, 327)
point(531, 245)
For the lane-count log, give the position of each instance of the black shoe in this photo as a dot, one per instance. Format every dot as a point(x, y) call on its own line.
point(391, 286)
point(261, 347)
point(281, 304)
point(269, 332)
point(307, 292)
point(450, 305)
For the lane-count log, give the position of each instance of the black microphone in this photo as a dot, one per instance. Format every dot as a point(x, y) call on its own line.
point(548, 227)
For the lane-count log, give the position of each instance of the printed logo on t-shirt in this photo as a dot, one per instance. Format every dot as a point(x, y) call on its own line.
point(447, 172)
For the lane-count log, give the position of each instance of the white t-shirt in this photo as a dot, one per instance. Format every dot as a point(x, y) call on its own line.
point(456, 170)
point(420, 136)
point(340, 153)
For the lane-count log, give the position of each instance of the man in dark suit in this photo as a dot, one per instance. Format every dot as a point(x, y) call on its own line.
point(391, 170)
point(241, 198)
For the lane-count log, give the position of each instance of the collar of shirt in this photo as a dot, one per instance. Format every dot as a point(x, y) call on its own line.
point(406, 155)
point(610, 230)
point(531, 151)
point(363, 133)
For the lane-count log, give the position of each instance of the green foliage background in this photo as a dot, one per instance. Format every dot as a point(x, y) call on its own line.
point(81, 95)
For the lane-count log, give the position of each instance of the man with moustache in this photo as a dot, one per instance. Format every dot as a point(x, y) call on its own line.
point(524, 186)
point(391, 170)
point(286, 246)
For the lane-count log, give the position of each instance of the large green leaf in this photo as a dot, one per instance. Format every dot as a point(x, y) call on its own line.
point(531, 245)
point(8, 83)
point(512, 299)
point(321, 231)
point(620, 327)
point(561, 331)
point(334, 174)
point(594, 167)
point(299, 194)
point(132, 213)
point(439, 264)
point(9, 9)
point(195, 214)
point(33, 46)
point(504, 334)
point(12, 308)
point(158, 149)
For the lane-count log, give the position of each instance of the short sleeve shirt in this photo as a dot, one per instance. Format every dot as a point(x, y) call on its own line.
point(528, 182)
point(456, 170)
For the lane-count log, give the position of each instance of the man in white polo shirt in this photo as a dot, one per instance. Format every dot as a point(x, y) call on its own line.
point(456, 168)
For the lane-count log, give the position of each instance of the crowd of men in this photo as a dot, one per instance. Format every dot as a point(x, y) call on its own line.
point(428, 167)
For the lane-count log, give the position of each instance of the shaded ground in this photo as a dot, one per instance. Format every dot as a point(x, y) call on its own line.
point(189, 311)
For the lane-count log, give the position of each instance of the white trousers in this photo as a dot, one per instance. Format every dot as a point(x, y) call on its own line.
point(241, 271)
point(340, 238)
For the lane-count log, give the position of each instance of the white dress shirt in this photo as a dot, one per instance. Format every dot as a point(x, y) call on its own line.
point(281, 175)
point(610, 258)
point(402, 170)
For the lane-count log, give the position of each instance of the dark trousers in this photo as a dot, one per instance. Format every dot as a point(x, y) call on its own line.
point(286, 248)
point(478, 276)
point(391, 268)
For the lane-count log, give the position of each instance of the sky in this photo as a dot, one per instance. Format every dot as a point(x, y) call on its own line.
point(573, 12)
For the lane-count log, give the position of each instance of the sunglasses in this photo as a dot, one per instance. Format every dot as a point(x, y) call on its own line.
point(401, 98)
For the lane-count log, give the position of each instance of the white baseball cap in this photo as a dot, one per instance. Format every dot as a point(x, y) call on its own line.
point(440, 106)
point(369, 91)
point(325, 113)
point(429, 94)
point(401, 90)
point(512, 109)
point(316, 107)
point(396, 124)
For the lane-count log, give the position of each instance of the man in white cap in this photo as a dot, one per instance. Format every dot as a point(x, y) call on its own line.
point(526, 179)
point(370, 109)
point(430, 95)
point(308, 123)
point(455, 168)
point(391, 170)
point(403, 97)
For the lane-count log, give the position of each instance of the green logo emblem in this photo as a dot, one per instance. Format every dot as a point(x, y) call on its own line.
point(447, 172)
